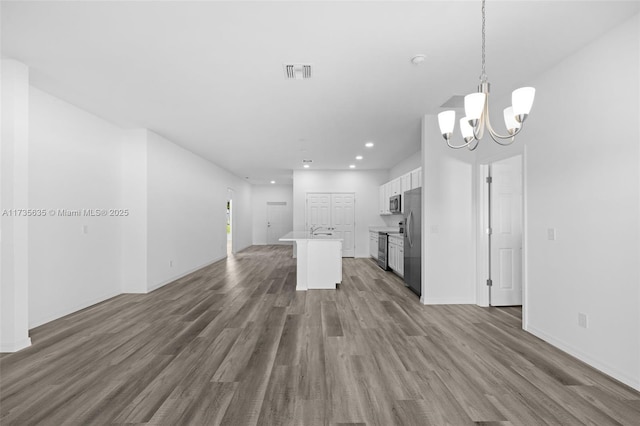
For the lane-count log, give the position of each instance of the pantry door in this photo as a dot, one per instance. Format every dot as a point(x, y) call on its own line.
point(333, 212)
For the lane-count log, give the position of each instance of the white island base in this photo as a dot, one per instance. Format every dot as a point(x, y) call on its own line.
point(319, 260)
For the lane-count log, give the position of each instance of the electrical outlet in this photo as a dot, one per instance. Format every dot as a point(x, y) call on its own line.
point(85, 229)
point(582, 320)
point(551, 234)
point(171, 264)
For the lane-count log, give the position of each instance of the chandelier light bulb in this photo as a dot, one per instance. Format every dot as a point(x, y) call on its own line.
point(510, 120)
point(522, 101)
point(447, 121)
point(466, 129)
point(473, 106)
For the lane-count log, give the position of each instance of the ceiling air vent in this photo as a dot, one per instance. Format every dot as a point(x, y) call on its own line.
point(297, 71)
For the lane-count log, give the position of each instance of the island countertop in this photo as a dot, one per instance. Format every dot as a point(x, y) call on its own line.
point(307, 236)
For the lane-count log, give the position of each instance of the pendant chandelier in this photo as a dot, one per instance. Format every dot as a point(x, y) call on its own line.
point(476, 108)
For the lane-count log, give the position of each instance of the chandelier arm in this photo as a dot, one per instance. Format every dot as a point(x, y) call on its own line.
point(512, 139)
point(478, 131)
point(458, 146)
point(474, 146)
point(495, 134)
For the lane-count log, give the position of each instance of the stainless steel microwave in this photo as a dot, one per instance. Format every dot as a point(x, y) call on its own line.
point(394, 204)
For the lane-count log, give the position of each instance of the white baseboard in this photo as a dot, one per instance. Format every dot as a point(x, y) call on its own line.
point(609, 370)
point(182, 274)
point(445, 301)
point(8, 347)
point(75, 308)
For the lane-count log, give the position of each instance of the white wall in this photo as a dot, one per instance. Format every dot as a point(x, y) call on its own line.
point(242, 213)
point(405, 166)
point(582, 150)
point(14, 181)
point(133, 252)
point(448, 239)
point(187, 198)
point(581, 146)
point(261, 195)
point(364, 183)
point(74, 163)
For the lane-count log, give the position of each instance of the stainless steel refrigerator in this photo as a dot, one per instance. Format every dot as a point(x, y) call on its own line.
point(413, 240)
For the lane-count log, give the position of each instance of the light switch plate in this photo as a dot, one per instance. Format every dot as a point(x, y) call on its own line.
point(551, 234)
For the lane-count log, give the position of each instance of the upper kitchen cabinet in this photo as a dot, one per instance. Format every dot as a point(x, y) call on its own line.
point(406, 182)
point(399, 186)
point(416, 178)
point(385, 193)
point(396, 187)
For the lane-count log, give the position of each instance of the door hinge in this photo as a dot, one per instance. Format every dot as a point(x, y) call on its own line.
point(489, 282)
point(489, 231)
point(489, 179)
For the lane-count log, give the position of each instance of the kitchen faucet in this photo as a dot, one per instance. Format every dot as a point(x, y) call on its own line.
point(315, 228)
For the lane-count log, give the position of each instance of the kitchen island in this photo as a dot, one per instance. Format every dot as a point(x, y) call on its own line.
point(319, 260)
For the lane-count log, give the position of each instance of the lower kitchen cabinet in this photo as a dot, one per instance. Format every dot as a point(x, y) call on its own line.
point(396, 254)
point(373, 244)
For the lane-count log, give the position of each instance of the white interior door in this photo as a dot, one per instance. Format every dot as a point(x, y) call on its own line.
point(506, 238)
point(318, 210)
point(276, 212)
point(343, 221)
point(335, 212)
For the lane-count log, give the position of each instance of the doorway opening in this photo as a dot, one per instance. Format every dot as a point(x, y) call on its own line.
point(229, 224)
point(502, 225)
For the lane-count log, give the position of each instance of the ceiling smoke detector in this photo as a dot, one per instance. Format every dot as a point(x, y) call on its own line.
point(418, 59)
point(297, 71)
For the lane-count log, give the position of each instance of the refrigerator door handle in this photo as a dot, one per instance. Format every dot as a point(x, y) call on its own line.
point(409, 228)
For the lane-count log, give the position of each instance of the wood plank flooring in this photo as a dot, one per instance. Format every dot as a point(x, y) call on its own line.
point(235, 344)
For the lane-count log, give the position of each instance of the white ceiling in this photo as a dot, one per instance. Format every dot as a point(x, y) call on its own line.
point(209, 76)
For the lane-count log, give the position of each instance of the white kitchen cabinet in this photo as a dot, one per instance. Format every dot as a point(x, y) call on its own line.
point(396, 254)
point(385, 194)
point(405, 185)
point(398, 186)
point(373, 244)
point(416, 178)
point(391, 256)
point(395, 186)
point(405, 182)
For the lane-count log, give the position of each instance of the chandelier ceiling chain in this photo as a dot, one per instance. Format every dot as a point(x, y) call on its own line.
point(483, 76)
point(476, 106)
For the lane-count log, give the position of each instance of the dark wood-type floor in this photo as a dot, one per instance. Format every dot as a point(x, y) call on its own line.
point(235, 344)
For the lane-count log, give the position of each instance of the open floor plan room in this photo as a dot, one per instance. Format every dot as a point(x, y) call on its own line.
point(235, 344)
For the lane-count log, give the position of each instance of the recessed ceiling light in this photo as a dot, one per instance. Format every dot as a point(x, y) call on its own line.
point(417, 59)
point(273, 181)
point(352, 166)
point(306, 166)
point(358, 157)
point(369, 144)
